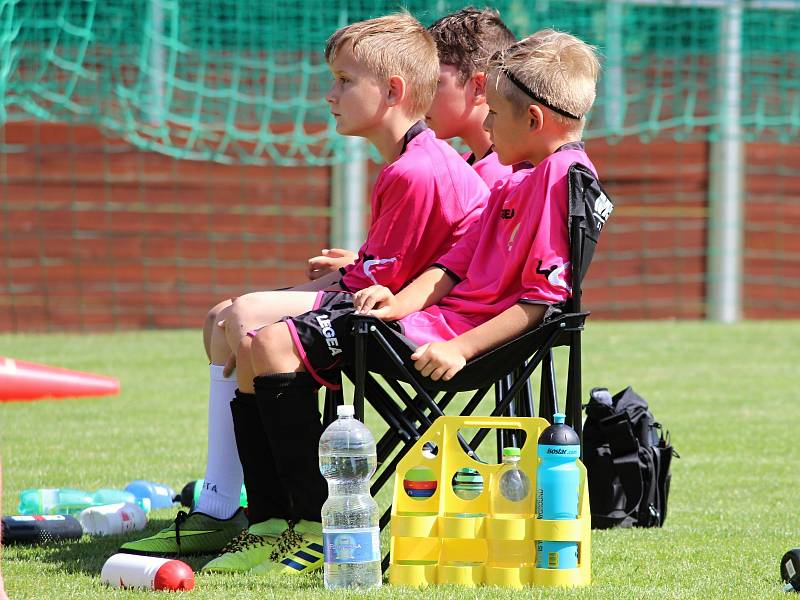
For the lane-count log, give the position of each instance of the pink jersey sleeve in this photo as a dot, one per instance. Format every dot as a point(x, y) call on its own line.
point(421, 205)
point(400, 210)
point(546, 273)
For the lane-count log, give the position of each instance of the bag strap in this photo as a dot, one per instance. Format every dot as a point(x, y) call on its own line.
point(624, 449)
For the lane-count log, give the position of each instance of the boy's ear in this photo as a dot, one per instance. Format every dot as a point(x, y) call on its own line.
point(536, 116)
point(479, 88)
point(397, 90)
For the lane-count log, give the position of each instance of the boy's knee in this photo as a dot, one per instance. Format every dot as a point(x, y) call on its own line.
point(270, 338)
point(270, 342)
point(239, 317)
point(213, 314)
point(210, 329)
point(244, 306)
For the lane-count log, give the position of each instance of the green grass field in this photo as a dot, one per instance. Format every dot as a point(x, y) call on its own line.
point(727, 393)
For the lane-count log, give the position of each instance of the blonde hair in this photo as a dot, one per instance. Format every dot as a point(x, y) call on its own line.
point(559, 71)
point(396, 44)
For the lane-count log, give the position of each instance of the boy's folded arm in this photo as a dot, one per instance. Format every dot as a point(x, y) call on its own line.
point(427, 289)
point(506, 326)
point(442, 360)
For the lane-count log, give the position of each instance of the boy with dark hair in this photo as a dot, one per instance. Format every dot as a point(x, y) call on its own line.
point(466, 40)
point(495, 283)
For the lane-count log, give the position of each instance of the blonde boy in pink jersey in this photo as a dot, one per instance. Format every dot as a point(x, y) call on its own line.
point(424, 199)
point(466, 40)
point(493, 285)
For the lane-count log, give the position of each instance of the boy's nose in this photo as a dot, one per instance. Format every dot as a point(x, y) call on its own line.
point(331, 97)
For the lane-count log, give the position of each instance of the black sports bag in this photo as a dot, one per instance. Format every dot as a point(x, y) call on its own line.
point(627, 456)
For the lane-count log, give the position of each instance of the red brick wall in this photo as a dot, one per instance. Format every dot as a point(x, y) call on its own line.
point(772, 232)
point(98, 235)
point(650, 261)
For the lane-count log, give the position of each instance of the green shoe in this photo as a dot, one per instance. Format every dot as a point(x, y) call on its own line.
point(192, 533)
point(297, 550)
point(248, 548)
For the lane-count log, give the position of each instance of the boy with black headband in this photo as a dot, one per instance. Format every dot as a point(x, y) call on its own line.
point(496, 282)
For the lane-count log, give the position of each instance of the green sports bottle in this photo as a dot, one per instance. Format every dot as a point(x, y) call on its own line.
point(190, 494)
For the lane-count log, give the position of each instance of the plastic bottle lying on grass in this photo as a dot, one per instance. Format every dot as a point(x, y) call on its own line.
point(68, 501)
point(40, 529)
point(159, 494)
point(190, 494)
point(148, 572)
point(113, 519)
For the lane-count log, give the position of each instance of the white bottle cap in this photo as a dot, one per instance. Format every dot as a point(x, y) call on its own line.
point(345, 410)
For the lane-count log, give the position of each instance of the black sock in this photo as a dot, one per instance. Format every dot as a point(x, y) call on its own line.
point(266, 497)
point(289, 409)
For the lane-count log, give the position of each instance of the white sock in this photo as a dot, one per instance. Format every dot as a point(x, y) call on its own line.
point(223, 481)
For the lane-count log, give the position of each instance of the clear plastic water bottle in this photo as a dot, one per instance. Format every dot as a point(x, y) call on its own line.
point(513, 484)
point(511, 498)
point(351, 535)
point(557, 490)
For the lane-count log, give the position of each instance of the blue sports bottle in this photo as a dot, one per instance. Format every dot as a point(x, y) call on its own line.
point(160, 494)
point(557, 486)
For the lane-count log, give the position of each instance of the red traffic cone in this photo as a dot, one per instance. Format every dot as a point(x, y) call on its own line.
point(21, 380)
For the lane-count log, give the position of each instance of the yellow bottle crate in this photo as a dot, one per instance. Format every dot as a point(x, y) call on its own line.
point(466, 535)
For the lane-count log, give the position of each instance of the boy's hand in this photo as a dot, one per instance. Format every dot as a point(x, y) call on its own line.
point(376, 301)
point(331, 259)
point(438, 360)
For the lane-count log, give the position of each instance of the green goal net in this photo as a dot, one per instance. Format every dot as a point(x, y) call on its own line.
point(244, 80)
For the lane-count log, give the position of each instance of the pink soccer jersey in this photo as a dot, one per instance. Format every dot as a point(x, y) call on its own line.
point(517, 252)
point(422, 203)
point(490, 169)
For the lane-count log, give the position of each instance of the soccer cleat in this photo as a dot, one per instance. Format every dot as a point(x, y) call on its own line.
point(192, 533)
point(247, 549)
point(297, 550)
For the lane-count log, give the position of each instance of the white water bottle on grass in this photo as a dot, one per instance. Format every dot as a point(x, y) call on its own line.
point(350, 531)
point(147, 572)
point(113, 519)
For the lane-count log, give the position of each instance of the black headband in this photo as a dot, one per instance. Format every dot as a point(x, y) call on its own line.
point(525, 89)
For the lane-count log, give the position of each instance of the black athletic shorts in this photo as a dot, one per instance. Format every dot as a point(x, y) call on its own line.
point(324, 339)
